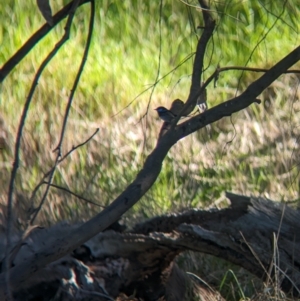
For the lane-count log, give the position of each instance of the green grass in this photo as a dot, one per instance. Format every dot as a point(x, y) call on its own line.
point(253, 152)
point(123, 62)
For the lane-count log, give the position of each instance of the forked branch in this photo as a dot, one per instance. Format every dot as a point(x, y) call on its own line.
point(40, 34)
point(199, 58)
point(145, 178)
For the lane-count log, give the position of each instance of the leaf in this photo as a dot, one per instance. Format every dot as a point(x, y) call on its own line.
point(45, 9)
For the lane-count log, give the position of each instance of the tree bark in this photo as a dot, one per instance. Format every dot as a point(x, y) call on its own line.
point(257, 234)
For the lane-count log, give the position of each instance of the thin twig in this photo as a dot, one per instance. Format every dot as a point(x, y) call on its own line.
point(256, 257)
point(59, 161)
point(144, 179)
point(198, 64)
point(34, 39)
point(17, 149)
point(78, 145)
point(240, 102)
point(43, 181)
point(37, 210)
point(83, 61)
point(228, 68)
point(64, 38)
point(58, 148)
point(73, 193)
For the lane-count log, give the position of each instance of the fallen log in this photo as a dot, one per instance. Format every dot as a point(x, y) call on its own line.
point(254, 233)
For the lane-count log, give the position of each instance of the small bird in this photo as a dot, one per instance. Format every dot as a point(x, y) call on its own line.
point(165, 114)
point(177, 106)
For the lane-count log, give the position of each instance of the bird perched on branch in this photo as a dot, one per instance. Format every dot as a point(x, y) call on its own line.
point(177, 106)
point(165, 114)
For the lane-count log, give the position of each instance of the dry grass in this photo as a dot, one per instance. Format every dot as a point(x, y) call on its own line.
point(255, 152)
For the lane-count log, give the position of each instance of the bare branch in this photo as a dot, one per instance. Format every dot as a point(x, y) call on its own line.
point(73, 193)
point(240, 102)
point(28, 227)
point(199, 58)
point(84, 57)
point(65, 38)
point(49, 172)
point(19, 136)
point(79, 145)
point(18, 142)
point(196, 89)
point(251, 69)
point(34, 39)
point(83, 61)
point(146, 177)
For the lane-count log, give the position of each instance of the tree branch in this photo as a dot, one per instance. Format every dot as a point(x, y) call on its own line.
point(70, 100)
point(19, 136)
point(34, 39)
point(199, 58)
point(145, 178)
point(73, 193)
point(49, 172)
point(240, 102)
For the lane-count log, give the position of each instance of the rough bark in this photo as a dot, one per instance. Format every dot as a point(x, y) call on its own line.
point(257, 234)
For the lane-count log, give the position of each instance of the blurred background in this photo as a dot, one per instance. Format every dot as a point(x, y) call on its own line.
point(141, 57)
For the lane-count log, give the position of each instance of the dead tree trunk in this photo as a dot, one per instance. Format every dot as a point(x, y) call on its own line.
point(257, 234)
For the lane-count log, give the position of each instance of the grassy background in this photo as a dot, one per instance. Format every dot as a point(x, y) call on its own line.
point(255, 152)
point(251, 153)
